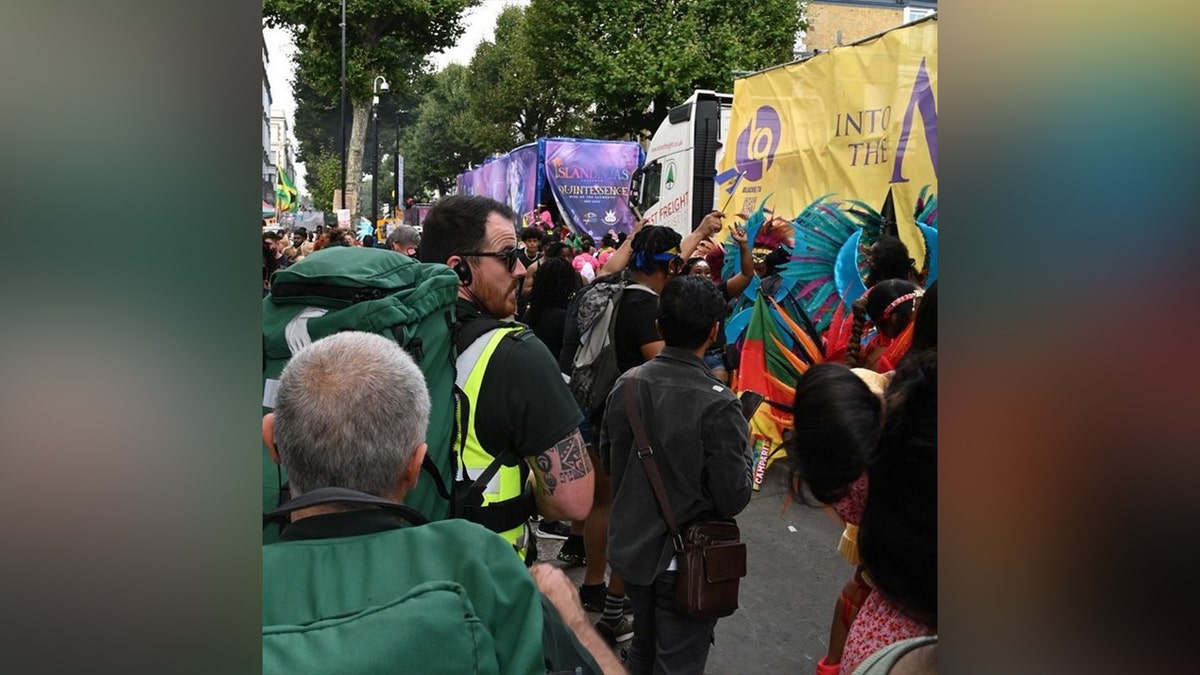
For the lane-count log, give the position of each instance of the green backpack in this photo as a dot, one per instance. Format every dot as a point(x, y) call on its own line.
point(375, 291)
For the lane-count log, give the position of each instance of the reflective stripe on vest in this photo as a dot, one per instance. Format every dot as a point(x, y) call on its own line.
point(507, 483)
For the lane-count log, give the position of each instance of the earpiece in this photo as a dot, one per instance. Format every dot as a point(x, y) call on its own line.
point(463, 270)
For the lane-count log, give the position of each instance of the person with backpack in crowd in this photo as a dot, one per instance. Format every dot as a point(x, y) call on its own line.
point(631, 339)
point(345, 572)
point(520, 416)
point(701, 444)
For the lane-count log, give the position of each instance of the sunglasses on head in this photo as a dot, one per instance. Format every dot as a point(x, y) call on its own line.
point(509, 255)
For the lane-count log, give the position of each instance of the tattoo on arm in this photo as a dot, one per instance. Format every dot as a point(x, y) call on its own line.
point(572, 459)
point(548, 481)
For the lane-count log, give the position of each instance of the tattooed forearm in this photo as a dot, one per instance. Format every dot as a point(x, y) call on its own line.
point(571, 457)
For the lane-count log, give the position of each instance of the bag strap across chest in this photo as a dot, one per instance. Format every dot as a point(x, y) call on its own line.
point(646, 454)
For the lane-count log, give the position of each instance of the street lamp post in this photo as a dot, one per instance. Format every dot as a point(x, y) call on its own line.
point(379, 86)
point(399, 188)
point(342, 110)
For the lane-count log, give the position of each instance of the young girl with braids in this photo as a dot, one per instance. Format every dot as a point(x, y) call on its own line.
point(886, 259)
point(891, 306)
point(838, 448)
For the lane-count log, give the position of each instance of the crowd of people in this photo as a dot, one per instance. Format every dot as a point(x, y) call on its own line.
point(351, 413)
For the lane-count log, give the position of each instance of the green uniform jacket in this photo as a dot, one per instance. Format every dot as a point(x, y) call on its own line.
point(353, 592)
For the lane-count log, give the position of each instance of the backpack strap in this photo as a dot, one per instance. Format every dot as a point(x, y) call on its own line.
point(468, 498)
point(336, 495)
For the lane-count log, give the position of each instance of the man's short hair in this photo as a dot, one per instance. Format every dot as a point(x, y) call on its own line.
point(349, 412)
point(404, 235)
point(687, 309)
point(531, 233)
point(457, 224)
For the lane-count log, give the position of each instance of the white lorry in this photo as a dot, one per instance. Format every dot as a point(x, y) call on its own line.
point(675, 185)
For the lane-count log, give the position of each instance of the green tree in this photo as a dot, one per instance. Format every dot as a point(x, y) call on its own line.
point(516, 96)
point(322, 175)
point(632, 60)
point(446, 136)
point(383, 37)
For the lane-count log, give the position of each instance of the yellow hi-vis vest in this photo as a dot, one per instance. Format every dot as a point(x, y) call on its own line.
point(507, 483)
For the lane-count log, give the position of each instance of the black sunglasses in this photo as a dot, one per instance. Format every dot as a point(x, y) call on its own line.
point(509, 255)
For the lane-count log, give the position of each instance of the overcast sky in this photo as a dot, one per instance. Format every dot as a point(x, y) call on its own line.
point(480, 24)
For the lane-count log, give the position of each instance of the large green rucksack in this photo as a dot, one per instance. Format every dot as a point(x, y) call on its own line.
point(376, 291)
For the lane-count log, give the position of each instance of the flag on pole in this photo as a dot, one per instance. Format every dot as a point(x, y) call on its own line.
point(285, 193)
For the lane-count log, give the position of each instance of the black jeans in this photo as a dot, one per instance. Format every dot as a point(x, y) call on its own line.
point(665, 641)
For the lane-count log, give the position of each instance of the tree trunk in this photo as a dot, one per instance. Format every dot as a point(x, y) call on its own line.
point(360, 117)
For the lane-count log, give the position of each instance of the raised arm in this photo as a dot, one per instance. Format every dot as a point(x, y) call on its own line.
point(740, 281)
point(565, 479)
point(710, 225)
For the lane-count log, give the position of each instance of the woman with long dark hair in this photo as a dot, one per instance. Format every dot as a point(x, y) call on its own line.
point(547, 313)
point(847, 438)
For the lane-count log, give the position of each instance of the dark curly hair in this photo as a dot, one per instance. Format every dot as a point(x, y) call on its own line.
point(889, 260)
point(649, 242)
point(554, 286)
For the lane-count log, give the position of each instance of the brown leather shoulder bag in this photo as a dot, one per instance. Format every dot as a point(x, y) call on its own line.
point(710, 556)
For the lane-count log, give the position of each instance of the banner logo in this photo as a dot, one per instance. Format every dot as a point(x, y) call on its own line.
point(757, 143)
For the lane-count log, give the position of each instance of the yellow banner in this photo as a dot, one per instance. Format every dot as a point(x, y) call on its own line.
point(856, 122)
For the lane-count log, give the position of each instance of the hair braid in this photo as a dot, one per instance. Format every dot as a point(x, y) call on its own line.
point(854, 348)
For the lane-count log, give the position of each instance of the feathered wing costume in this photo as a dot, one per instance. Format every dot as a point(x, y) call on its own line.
point(830, 259)
point(777, 340)
point(779, 322)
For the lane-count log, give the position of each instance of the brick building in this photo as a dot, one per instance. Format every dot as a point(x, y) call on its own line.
point(838, 22)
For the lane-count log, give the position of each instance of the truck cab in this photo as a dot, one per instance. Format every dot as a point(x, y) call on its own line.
point(675, 185)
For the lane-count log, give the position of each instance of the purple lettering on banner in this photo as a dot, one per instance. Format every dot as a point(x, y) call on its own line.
point(922, 100)
point(757, 143)
point(590, 183)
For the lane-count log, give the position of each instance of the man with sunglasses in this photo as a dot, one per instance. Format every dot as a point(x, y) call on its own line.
point(518, 408)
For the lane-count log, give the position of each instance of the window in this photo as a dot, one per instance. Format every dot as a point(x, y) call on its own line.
point(651, 186)
point(913, 13)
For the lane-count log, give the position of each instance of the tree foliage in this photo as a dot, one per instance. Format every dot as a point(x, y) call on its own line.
point(517, 96)
point(391, 38)
point(322, 174)
point(634, 59)
point(446, 136)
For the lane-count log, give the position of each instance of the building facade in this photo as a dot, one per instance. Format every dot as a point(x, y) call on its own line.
point(268, 166)
point(838, 22)
point(281, 145)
